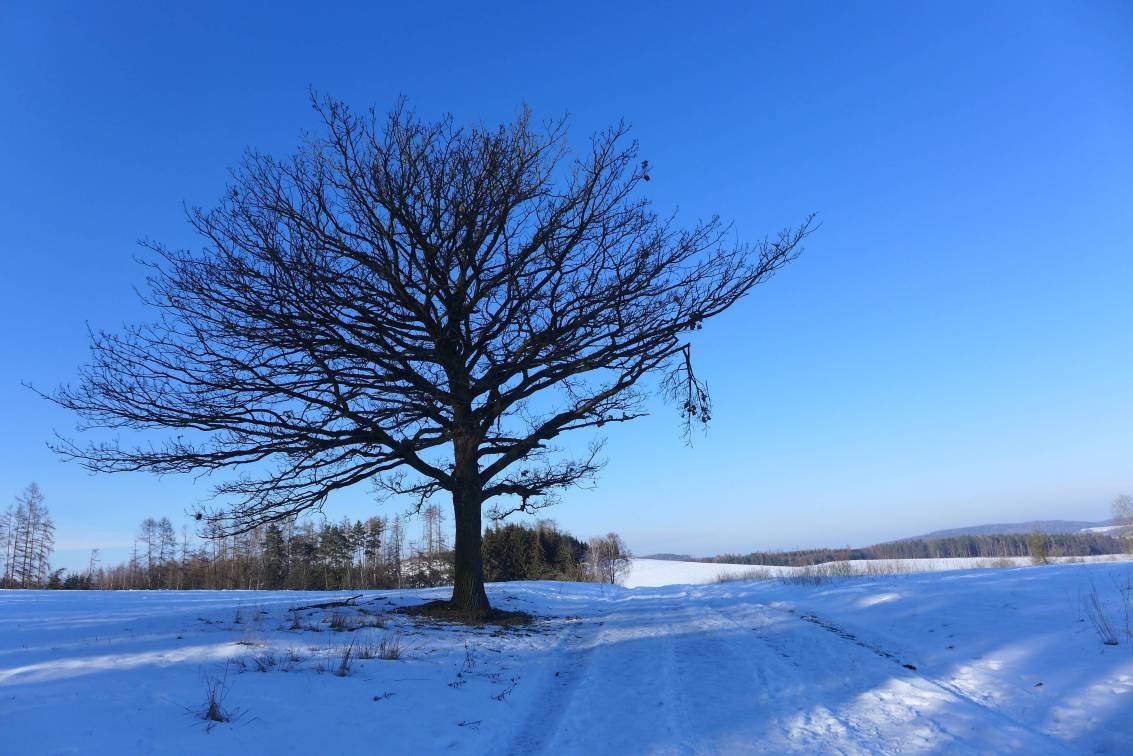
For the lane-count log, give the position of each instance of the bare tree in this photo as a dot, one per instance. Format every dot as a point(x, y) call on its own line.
point(92, 564)
point(608, 559)
point(7, 546)
point(395, 548)
point(1122, 508)
point(28, 538)
point(418, 305)
point(147, 535)
point(1123, 515)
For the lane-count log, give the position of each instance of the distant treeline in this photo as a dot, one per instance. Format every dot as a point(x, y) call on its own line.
point(366, 554)
point(1014, 545)
point(373, 553)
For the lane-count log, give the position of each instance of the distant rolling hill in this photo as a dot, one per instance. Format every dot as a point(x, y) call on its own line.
point(1007, 528)
point(1102, 527)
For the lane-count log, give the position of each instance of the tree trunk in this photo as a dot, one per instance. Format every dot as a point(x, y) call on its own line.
point(468, 595)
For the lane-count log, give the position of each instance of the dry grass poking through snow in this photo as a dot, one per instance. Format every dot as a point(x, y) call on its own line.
point(1111, 616)
point(214, 711)
point(388, 647)
point(755, 573)
point(342, 622)
point(346, 660)
point(813, 574)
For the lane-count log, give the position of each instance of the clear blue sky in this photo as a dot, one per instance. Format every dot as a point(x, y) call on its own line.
point(953, 348)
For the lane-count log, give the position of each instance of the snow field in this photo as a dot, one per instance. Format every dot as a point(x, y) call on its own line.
point(658, 572)
point(974, 661)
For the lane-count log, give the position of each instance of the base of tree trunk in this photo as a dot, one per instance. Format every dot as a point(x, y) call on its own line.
point(449, 612)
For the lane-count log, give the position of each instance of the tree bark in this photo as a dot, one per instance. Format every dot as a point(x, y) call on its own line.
point(468, 594)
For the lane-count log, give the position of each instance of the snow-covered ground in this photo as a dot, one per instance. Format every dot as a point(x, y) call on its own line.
point(1110, 529)
point(975, 661)
point(656, 572)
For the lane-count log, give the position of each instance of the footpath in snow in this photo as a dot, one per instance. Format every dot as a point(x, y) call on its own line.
point(976, 661)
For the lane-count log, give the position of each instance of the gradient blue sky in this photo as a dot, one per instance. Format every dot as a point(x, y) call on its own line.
point(953, 348)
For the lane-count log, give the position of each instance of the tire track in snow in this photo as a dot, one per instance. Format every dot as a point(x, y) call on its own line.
point(550, 704)
point(814, 686)
point(945, 685)
point(1037, 739)
point(673, 673)
point(623, 698)
point(785, 713)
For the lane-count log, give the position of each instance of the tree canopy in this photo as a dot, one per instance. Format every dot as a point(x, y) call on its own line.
point(419, 305)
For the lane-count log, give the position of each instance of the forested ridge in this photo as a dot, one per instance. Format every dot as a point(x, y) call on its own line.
point(992, 546)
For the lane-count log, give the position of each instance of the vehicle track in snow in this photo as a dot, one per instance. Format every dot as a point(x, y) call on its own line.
point(570, 661)
point(997, 732)
point(666, 673)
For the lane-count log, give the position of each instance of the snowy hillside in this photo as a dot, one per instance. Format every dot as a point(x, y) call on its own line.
point(1109, 529)
point(996, 660)
point(658, 572)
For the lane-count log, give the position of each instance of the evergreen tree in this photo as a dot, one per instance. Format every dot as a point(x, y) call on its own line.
point(275, 558)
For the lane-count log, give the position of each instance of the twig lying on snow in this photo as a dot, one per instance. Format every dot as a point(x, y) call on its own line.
point(327, 605)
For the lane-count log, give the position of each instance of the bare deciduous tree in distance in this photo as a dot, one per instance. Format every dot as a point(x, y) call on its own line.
point(608, 559)
point(1122, 508)
point(419, 305)
point(27, 538)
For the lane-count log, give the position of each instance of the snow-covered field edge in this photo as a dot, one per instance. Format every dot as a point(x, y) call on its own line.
point(657, 572)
